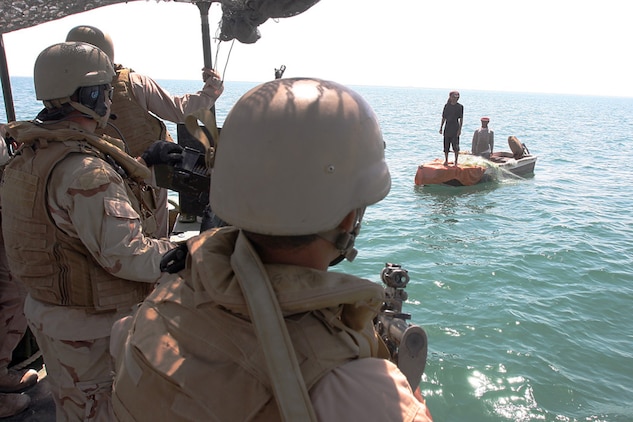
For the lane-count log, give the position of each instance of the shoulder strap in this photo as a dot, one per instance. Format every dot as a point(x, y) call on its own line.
point(286, 378)
point(28, 132)
point(207, 117)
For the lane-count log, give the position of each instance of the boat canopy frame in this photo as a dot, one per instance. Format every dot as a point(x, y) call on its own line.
point(240, 20)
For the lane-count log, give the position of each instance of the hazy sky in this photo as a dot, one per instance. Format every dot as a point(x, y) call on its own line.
point(550, 46)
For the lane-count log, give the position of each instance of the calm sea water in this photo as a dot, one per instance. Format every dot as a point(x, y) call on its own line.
point(525, 287)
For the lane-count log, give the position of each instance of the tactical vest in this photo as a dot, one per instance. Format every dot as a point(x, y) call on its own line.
point(139, 127)
point(55, 267)
point(189, 358)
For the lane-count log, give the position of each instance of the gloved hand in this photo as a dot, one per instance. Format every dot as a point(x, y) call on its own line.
point(162, 152)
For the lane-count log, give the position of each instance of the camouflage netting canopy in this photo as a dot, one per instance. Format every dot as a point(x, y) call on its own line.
point(20, 14)
point(240, 18)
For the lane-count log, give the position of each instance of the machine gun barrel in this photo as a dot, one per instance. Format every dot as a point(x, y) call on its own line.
point(407, 343)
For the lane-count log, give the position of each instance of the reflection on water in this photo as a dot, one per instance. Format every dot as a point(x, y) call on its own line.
point(445, 201)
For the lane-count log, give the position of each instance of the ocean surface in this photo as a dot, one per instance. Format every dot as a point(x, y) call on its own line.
point(524, 287)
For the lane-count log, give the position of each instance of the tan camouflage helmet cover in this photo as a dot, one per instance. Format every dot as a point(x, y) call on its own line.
point(94, 36)
point(295, 156)
point(63, 68)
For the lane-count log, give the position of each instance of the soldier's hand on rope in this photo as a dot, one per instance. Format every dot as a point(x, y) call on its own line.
point(212, 81)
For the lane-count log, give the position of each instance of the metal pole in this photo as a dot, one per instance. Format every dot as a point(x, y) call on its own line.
point(206, 38)
point(6, 83)
point(184, 137)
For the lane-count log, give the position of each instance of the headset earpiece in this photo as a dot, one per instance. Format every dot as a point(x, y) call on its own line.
point(101, 108)
point(88, 96)
point(93, 97)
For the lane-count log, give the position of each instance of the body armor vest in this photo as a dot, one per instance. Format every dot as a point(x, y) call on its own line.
point(139, 128)
point(55, 267)
point(196, 340)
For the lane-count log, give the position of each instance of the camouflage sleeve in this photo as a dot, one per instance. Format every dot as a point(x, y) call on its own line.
point(171, 108)
point(88, 201)
point(373, 389)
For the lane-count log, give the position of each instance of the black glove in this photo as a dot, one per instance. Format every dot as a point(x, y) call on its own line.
point(175, 259)
point(162, 152)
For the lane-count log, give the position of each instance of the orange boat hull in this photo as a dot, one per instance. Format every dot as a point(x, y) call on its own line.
point(435, 172)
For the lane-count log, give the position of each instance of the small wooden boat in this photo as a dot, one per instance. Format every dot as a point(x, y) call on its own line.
point(472, 169)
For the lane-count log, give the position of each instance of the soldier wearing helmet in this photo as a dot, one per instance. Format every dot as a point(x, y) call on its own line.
point(255, 327)
point(72, 221)
point(138, 99)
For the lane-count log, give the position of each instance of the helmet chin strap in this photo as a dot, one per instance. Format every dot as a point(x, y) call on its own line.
point(102, 121)
point(344, 241)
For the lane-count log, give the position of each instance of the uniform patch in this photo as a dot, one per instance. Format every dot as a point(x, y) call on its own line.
point(93, 179)
point(118, 208)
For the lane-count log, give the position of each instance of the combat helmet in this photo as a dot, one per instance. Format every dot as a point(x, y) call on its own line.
point(295, 156)
point(94, 36)
point(69, 68)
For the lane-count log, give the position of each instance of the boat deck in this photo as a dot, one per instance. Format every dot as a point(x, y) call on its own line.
point(42, 408)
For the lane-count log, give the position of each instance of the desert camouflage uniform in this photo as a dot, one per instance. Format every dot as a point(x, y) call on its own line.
point(12, 328)
point(75, 340)
point(192, 354)
point(12, 325)
point(137, 101)
point(12, 294)
point(12, 320)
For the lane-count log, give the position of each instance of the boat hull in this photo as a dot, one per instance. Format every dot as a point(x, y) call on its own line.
point(471, 172)
point(522, 166)
point(435, 172)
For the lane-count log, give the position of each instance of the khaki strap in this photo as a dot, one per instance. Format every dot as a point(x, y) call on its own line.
point(287, 381)
point(207, 117)
point(132, 167)
point(29, 132)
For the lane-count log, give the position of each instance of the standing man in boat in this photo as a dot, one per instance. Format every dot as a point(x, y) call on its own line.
point(72, 220)
point(453, 117)
point(256, 327)
point(483, 140)
point(136, 102)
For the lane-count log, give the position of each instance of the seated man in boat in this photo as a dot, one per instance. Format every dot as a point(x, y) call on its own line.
point(517, 147)
point(72, 221)
point(483, 140)
point(256, 328)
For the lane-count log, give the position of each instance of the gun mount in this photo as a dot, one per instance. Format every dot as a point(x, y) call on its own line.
point(190, 178)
